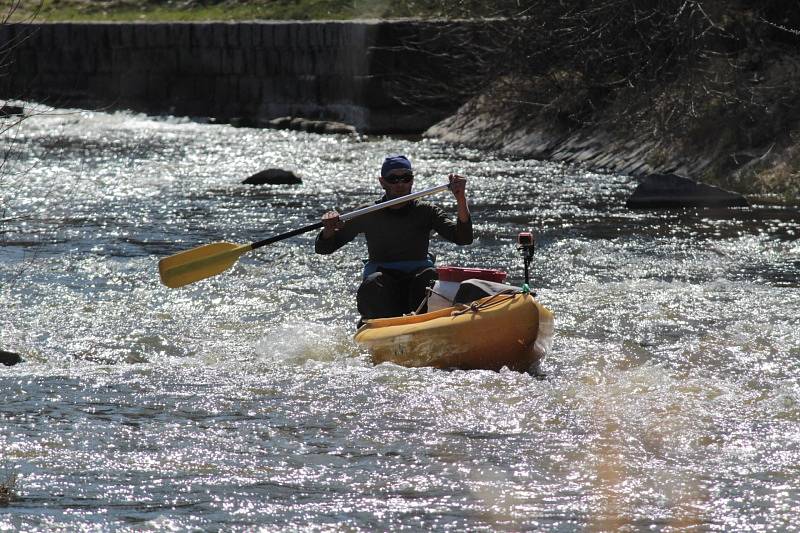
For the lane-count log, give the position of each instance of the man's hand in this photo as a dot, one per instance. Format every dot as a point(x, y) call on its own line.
point(458, 185)
point(330, 223)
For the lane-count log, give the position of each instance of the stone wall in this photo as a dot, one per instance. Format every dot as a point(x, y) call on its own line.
point(251, 72)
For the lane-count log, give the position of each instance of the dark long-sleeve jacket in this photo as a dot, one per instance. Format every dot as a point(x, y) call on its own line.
point(398, 234)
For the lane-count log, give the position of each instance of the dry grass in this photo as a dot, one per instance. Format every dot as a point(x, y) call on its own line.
point(783, 176)
point(206, 10)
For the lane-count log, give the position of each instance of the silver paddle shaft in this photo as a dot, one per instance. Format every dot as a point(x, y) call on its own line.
point(396, 201)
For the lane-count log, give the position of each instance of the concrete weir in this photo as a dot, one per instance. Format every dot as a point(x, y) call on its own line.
point(248, 71)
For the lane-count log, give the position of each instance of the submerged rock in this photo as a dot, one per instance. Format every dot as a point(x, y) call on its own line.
point(293, 123)
point(274, 176)
point(312, 126)
point(673, 191)
point(9, 358)
point(243, 122)
point(9, 110)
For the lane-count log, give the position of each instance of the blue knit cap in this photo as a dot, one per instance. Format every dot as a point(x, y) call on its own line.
point(393, 162)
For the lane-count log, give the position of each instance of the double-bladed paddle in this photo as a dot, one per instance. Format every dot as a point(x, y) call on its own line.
point(211, 259)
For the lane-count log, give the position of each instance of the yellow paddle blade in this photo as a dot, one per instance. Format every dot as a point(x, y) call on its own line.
point(199, 263)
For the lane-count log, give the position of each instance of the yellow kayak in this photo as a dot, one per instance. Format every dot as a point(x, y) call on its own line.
point(511, 330)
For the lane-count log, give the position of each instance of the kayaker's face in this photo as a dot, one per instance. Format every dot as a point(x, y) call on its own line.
point(397, 183)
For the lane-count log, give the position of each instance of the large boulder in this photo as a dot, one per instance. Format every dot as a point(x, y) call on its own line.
point(9, 358)
point(671, 191)
point(274, 176)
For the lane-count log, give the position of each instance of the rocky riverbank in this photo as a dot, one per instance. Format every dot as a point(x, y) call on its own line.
point(766, 165)
point(706, 89)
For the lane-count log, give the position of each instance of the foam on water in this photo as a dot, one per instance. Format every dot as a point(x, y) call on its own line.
point(298, 342)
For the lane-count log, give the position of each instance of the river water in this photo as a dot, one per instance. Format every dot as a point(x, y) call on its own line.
point(670, 398)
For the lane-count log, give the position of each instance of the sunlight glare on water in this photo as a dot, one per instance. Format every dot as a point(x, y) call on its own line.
point(671, 393)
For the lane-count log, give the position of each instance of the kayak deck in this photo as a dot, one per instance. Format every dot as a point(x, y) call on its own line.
point(511, 330)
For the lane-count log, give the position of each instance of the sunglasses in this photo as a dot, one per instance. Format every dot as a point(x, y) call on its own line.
point(399, 178)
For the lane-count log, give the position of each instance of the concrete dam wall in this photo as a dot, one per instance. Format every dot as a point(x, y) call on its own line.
point(250, 72)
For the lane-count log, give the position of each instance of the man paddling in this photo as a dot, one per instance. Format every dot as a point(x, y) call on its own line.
point(399, 268)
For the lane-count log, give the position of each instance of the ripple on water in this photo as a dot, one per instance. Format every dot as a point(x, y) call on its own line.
point(670, 398)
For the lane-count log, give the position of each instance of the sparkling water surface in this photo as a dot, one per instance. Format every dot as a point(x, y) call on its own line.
point(670, 399)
